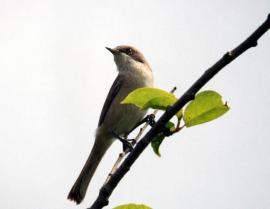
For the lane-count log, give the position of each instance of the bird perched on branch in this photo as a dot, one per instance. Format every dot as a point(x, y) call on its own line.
point(133, 72)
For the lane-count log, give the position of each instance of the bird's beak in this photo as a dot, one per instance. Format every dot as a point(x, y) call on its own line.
point(113, 51)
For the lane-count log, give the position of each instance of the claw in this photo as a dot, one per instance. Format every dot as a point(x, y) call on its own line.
point(127, 146)
point(127, 143)
point(151, 119)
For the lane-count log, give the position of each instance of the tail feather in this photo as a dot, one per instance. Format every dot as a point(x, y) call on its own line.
point(79, 188)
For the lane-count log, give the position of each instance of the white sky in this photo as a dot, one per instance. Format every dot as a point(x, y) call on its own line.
point(55, 74)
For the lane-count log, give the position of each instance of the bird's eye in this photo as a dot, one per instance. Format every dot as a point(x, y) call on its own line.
point(129, 51)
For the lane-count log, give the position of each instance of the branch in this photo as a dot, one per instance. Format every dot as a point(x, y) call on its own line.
point(107, 189)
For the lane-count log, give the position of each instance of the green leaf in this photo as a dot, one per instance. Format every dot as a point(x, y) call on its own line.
point(170, 125)
point(156, 142)
point(179, 114)
point(206, 106)
point(132, 206)
point(141, 96)
point(160, 103)
point(155, 98)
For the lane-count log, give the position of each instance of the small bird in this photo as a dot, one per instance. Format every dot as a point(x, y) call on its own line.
point(133, 72)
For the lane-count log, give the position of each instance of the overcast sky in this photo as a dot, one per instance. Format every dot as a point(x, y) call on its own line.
point(54, 77)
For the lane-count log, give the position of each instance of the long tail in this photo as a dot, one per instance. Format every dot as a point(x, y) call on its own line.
point(79, 188)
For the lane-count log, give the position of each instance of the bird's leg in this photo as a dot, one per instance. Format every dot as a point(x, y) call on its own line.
point(150, 119)
point(127, 143)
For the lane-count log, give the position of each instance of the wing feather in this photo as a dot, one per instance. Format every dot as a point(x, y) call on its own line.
point(114, 90)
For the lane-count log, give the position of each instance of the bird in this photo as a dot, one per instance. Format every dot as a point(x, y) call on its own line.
point(133, 72)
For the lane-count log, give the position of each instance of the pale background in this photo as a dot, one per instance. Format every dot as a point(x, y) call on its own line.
point(55, 74)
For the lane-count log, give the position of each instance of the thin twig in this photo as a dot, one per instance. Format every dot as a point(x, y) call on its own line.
point(107, 189)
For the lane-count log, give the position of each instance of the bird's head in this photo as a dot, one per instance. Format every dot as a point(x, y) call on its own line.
point(128, 56)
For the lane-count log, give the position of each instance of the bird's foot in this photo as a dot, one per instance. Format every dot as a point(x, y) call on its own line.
point(127, 143)
point(150, 119)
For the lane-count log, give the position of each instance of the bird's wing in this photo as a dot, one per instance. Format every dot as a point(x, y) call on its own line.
point(118, 82)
